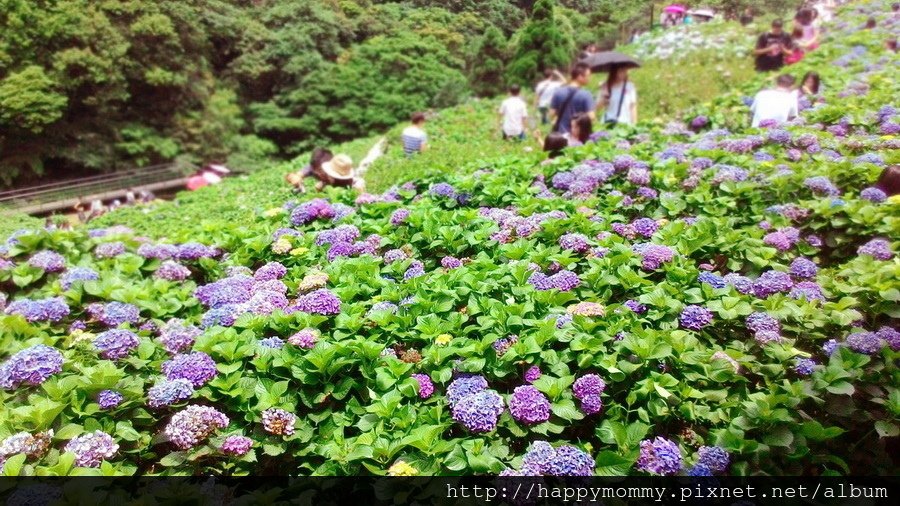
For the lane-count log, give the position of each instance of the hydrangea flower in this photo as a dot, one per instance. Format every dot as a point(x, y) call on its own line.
point(479, 411)
point(236, 445)
point(714, 458)
point(399, 217)
point(804, 366)
point(320, 301)
point(33, 446)
point(865, 342)
point(109, 250)
point(116, 343)
point(312, 210)
point(415, 270)
point(772, 282)
point(31, 366)
point(809, 290)
point(109, 399)
point(442, 190)
point(270, 271)
point(821, 186)
point(168, 392)
point(586, 308)
point(654, 255)
point(196, 367)
point(450, 263)
point(76, 274)
point(711, 279)
point(52, 309)
point(178, 335)
point(803, 268)
point(172, 271)
point(192, 425)
point(92, 448)
point(879, 249)
point(279, 422)
point(272, 343)
point(588, 385)
point(578, 243)
point(157, 251)
point(645, 227)
point(426, 387)
point(528, 405)
point(659, 456)
point(463, 387)
point(306, 338)
point(873, 194)
point(890, 336)
point(532, 374)
point(48, 261)
point(114, 313)
point(695, 317)
point(195, 251)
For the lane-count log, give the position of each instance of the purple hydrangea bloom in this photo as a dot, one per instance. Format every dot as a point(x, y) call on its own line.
point(306, 338)
point(340, 234)
point(341, 211)
point(279, 422)
point(695, 317)
point(760, 322)
point(780, 240)
point(699, 121)
point(645, 227)
point(116, 343)
point(638, 176)
point(339, 249)
point(740, 283)
point(699, 470)
point(659, 456)
point(772, 282)
point(564, 280)
point(879, 249)
point(31, 366)
point(172, 271)
point(272, 343)
point(75, 274)
point(48, 261)
point(809, 290)
point(449, 263)
point(52, 309)
point(591, 404)
point(224, 315)
point(587, 385)
point(804, 366)
point(865, 342)
point(426, 387)
point(479, 412)
point(528, 405)
point(873, 158)
point(779, 136)
point(415, 270)
point(193, 424)
point(382, 307)
point(804, 268)
point(195, 251)
point(873, 194)
point(177, 335)
point(109, 249)
point(821, 185)
point(635, 306)
point(236, 445)
point(711, 279)
point(654, 255)
point(109, 399)
point(92, 448)
point(578, 243)
point(266, 302)
point(312, 210)
point(399, 217)
point(157, 251)
point(891, 336)
point(320, 301)
point(830, 346)
point(563, 319)
point(394, 255)
point(714, 458)
point(269, 272)
point(532, 374)
point(463, 387)
point(442, 190)
point(197, 367)
point(569, 461)
point(168, 392)
point(114, 313)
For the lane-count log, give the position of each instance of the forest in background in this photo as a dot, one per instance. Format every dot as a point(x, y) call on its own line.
point(100, 85)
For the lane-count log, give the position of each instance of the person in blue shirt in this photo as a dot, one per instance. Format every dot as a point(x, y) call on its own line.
point(572, 99)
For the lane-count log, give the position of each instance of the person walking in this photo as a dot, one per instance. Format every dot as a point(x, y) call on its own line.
point(809, 34)
point(771, 47)
point(414, 137)
point(572, 99)
point(778, 104)
point(513, 113)
point(544, 91)
point(618, 96)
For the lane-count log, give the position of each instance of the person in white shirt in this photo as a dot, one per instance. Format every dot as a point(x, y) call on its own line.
point(543, 93)
point(513, 112)
point(778, 104)
point(618, 96)
point(414, 138)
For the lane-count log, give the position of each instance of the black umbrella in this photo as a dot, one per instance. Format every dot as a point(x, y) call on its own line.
point(608, 60)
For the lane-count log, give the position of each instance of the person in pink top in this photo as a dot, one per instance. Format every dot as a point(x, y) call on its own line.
point(209, 175)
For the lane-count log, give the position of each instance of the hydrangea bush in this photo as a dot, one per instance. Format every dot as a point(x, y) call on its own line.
point(721, 300)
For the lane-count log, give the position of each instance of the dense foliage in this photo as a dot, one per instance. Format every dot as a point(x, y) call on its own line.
point(659, 301)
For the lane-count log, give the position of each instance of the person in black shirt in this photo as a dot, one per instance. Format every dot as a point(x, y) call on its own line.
point(771, 48)
point(747, 16)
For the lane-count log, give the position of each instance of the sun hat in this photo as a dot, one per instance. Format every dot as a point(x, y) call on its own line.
point(339, 167)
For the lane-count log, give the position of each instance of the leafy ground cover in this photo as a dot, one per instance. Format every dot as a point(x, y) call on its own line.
point(670, 299)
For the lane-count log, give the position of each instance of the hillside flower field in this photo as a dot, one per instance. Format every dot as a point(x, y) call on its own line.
point(689, 298)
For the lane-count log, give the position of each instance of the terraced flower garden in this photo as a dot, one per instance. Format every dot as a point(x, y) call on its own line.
point(693, 297)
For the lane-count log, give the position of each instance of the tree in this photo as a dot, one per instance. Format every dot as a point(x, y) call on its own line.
point(542, 43)
point(489, 58)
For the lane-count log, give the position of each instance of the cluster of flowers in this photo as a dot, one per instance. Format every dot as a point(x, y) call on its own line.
point(342, 242)
point(563, 280)
point(52, 309)
point(113, 314)
point(513, 225)
point(473, 405)
point(31, 366)
point(542, 459)
point(192, 425)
